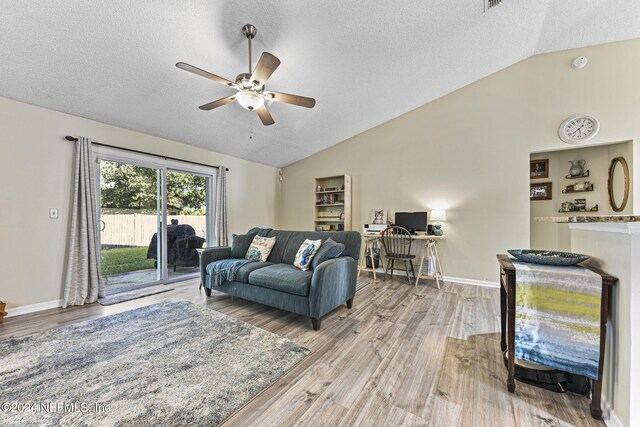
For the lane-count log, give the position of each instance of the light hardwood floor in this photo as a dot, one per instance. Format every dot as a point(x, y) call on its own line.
point(401, 356)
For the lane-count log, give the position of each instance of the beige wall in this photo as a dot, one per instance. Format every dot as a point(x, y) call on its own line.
point(556, 236)
point(35, 175)
point(468, 152)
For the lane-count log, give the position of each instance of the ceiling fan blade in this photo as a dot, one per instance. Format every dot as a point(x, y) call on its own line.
point(265, 116)
point(266, 65)
point(301, 101)
point(205, 74)
point(218, 103)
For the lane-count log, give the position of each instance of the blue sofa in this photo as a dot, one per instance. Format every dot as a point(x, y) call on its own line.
point(279, 284)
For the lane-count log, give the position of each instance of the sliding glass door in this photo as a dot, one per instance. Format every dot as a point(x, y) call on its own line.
point(130, 225)
point(188, 221)
point(154, 216)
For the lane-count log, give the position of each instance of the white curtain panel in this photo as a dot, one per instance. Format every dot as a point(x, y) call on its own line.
point(222, 227)
point(83, 283)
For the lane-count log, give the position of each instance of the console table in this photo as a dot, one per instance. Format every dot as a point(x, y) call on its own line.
point(508, 326)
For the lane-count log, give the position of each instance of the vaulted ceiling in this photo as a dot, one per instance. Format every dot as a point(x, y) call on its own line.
point(365, 62)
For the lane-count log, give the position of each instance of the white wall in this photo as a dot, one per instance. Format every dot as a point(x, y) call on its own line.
point(36, 170)
point(468, 152)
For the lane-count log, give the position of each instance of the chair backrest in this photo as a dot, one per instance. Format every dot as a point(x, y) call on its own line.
point(396, 241)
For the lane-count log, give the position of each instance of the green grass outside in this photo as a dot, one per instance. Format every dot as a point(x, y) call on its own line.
point(125, 260)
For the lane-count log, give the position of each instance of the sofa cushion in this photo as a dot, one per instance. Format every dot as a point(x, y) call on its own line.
point(282, 237)
point(240, 244)
point(350, 239)
point(330, 249)
point(283, 278)
point(242, 275)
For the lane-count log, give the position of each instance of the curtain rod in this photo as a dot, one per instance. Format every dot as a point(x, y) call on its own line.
point(71, 138)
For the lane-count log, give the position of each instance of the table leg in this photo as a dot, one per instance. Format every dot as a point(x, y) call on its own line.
point(503, 316)
point(373, 263)
point(436, 262)
point(424, 255)
point(596, 391)
point(362, 262)
point(511, 337)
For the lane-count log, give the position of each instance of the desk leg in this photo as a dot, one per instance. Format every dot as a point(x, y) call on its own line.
point(596, 391)
point(373, 262)
point(384, 267)
point(436, 262)
point(425, 247)
point(362, 264)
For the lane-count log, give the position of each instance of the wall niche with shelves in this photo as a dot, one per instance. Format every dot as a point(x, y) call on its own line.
point(332, 203)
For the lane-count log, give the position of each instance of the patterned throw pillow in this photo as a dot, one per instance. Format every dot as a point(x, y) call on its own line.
point(306, 253)
point(260, 248)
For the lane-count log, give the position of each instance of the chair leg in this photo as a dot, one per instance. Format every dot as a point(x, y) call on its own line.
point(316, 323)
point(406, 270)
point(393, 263)
point(350, 303)
point(413, 271)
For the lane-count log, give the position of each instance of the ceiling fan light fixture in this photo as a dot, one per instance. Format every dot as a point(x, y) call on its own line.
point(249, 100)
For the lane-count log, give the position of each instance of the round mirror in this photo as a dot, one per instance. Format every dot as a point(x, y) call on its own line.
point(618, 184)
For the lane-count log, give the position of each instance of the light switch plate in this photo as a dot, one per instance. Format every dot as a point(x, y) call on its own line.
point(53, 213)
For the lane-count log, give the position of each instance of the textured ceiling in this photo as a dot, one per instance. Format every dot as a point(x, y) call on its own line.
point(364, 62)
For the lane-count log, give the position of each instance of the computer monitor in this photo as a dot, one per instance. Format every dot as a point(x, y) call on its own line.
point(412, 221)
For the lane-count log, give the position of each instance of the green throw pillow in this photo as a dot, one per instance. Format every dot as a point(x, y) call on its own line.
point(328, 250)
point(240, 244)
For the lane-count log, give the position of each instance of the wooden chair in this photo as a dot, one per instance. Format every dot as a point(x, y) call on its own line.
point(397, 247)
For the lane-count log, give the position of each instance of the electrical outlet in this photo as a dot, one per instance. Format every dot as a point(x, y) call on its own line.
point(53, 213)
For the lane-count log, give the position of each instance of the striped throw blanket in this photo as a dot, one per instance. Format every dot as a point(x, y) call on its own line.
point(558, 317)
point(224, 269)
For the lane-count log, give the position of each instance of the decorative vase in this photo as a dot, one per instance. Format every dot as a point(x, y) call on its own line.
point(577, 167)
point(437, 230)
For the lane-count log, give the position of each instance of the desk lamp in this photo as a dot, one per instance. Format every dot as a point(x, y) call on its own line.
point(438, 215)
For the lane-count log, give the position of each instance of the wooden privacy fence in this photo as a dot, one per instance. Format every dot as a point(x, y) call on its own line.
point(138, 229)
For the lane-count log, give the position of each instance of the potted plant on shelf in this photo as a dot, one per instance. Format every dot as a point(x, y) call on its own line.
point(2, 313)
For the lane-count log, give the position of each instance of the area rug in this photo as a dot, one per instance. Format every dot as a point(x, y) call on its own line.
point(134, 294)
point(172, 363)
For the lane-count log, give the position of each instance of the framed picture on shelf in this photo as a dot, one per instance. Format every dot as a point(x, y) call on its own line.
point(378, 216)
point(540, 191)
point(539, 169)
point(580, 205)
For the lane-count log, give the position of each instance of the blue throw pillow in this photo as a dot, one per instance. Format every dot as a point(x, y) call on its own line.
point(328, 250)
point(240, 244)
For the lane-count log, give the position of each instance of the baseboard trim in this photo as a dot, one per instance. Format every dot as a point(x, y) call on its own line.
point(484, 283)
point(609, 415)
point(26, 309)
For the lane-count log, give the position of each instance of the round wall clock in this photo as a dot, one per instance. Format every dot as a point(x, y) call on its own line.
point(578, 129)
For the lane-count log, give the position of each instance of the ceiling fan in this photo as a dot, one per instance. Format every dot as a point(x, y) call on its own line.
point(251, 93)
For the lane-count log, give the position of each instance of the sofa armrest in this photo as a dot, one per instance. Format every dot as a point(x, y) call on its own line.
point(213, 254)
point(332, 284)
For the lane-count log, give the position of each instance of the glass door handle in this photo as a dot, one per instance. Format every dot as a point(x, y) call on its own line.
point(102, 225)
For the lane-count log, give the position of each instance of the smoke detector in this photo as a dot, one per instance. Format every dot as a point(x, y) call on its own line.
point(579, 63)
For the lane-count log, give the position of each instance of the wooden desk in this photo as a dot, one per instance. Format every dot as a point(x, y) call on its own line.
point(508, 326)
point(430, 248)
